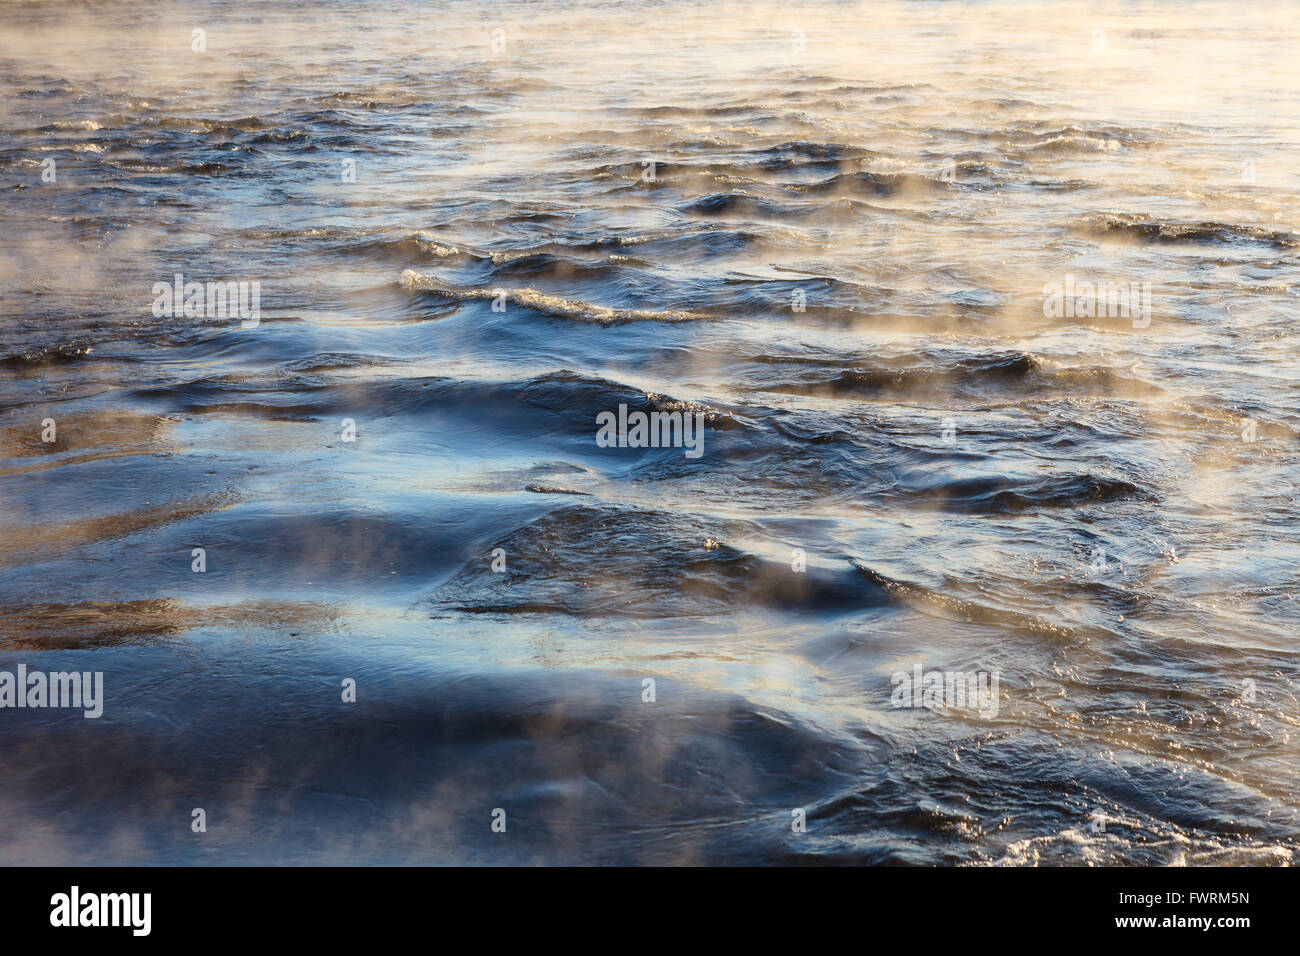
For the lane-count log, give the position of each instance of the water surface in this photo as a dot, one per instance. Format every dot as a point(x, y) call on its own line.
point(827, 228)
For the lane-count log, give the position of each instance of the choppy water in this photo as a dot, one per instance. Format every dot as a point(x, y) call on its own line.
point(1073, 502)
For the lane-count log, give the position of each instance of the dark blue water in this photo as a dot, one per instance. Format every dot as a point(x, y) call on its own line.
point(831, 232)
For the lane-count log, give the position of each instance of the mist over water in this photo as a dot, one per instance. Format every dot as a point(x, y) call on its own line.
point(830, 230)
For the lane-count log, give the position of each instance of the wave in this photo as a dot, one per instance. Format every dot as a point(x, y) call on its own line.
point(908, 374)
point(1006, 495)
point(545, 304)
point(47, 356)
point(1147, 229)
point(683, 567)
point(875, 184)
